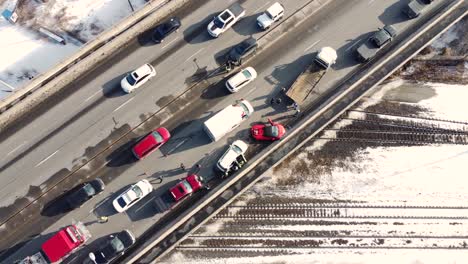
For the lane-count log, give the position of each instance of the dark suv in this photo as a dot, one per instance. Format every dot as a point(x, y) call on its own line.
point(113, 247)
point(241, 51)
point(83, 192)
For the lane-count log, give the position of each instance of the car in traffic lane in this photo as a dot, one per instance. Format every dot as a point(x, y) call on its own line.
point(151, 142)
point(233, 158)
point(83, 192)
point(132, 195)
point(165, 29)
point(241, 79)
point(271, 131)
point(242, 51)
point(274, 13)
point(137, 78)
point(115, 245)
point(186, 187)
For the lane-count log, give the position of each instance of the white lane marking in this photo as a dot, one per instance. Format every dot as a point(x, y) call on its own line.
point(94, 94)
point(191, 56)
point(169, 43)
point(263, 6)
point(370, 2)
point(44, 160)
point(350, 47)
point(251, 91)
point(122, 105)
point(313, 44)
point(15, 149)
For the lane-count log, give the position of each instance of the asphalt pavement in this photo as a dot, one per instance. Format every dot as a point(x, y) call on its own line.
point(66, 135)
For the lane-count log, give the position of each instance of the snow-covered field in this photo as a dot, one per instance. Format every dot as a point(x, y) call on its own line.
point(25, 53)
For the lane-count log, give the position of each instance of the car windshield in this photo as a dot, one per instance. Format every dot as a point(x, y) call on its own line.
point(137, 190)
point(247, 74)
point(89, 189)
point(117, 245)
point(237, 149)
point(269, 15)
point(271, 131)
point(157, 137)
point(187, 186)
point(130, 79)
point(241, 48)
point(218, 23)
point(246, 110)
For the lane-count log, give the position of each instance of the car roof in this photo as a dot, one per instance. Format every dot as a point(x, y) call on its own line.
point(275, 8)
point(250, 41)
point(143, 70)
point(230, 155)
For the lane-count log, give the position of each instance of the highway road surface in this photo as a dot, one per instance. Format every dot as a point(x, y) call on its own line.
point(70, 129)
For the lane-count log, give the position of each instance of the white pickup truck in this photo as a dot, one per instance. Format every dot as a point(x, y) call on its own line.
point(225, 20)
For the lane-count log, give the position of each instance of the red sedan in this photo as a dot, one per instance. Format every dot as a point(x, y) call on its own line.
point(151, 142)
point(270, 131)
point(187, 186)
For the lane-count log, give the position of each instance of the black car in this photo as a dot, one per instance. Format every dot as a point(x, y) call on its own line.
point(83, 192)
point(242, 51)
point(114, 246)
point(166, 28)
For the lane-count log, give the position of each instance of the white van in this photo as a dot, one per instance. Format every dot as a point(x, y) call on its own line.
point(227, 119)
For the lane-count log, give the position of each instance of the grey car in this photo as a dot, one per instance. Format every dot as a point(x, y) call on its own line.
point(242, 51)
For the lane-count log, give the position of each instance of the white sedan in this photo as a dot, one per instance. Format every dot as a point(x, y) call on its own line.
point(131, 196)
point(241, 79)
point(137, 78)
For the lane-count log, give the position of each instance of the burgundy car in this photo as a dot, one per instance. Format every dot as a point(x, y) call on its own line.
point(187, 186)
point(151, 142)
point(270, 131)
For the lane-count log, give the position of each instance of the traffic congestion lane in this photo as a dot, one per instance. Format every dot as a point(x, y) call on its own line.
point(68, 137)
point(258, 93)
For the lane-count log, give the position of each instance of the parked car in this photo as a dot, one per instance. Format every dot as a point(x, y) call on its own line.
point(83, 192)
point(114, 246)
point(274, 13)
point(151, 142)
point(132, 195)
point(377, 41)
point(186, 187)
point(242, 51)
point(233, 159)
point(271, 131)
point(241, 79)
point(137, 78)
point(165, 29)
point(414, 8)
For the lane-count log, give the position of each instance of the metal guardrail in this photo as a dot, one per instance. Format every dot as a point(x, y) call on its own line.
point(350, 93)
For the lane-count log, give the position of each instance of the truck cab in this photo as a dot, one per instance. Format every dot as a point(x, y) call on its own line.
point(326, 57)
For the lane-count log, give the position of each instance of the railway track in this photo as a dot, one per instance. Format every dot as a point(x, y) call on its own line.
point(289, 212)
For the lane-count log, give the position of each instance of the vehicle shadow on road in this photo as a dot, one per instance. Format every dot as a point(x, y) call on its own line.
point(393, 14)
point(347, 55)
point(247, 26)
point(58, 205)
point(33, 246)
point(122, 155)
point(190, 136)
point(112, 88)
point(145, 38)
point(197, 32)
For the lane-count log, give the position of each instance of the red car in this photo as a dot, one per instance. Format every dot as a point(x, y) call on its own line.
point(187, 186)
point(271, 131)
point(151, 142)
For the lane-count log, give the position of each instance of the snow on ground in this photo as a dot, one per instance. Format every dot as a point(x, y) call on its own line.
point(425, 175)
point(342, 257)
point(26, 54)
